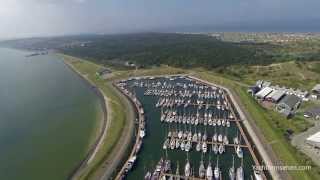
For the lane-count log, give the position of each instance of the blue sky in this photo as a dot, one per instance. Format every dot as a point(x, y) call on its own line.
point(20, 18)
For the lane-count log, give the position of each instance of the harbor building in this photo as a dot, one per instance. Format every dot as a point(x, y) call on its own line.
point(263, 93)
point(288, 105)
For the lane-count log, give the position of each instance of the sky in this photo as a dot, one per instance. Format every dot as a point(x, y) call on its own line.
point(26, 18)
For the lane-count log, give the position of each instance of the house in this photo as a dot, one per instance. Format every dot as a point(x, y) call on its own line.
point(288, 105)
point(314, 140)
point(313, 113)
point(275, 96)
point(264, 92)
point(316, 92)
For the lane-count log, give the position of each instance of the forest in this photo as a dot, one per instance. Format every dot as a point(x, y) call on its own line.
point(153, 49)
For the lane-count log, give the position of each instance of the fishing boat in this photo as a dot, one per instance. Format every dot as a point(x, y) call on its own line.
point(217, 170)
point(232, 174)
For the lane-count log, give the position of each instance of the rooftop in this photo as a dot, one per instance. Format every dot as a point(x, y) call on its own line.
point(290, 100)
point(315, 137)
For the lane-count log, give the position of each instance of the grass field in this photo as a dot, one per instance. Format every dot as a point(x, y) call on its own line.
point(272, 125)
point(303, 75)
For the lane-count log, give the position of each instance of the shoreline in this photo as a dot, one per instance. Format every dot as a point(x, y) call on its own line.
point(103, 127)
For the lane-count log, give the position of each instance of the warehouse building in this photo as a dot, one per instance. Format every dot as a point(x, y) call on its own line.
point(288, 105)
point(263, 93)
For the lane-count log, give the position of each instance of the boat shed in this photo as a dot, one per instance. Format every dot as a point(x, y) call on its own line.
point(264, 92)
point(314, 140)
point(288, 105)
point(276, 95)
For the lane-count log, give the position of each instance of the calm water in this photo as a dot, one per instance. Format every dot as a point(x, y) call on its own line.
point(157, 132)
point(47, 117)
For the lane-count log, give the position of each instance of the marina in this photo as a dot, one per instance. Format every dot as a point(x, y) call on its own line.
point(186, 129)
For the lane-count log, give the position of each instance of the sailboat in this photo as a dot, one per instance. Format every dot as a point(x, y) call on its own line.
point(187, 168)
point(165, 144)
point(204, 146)
point(240, 173)
point(198, 147)
point(217, 170)
point(257, 174)
point(215, 136)
point(204, 138)
point(209, 173)
point(177, 172)
point(239, 149)
point(232, 171)
point(225, 137)
point(202, 169)
point(220, 136)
